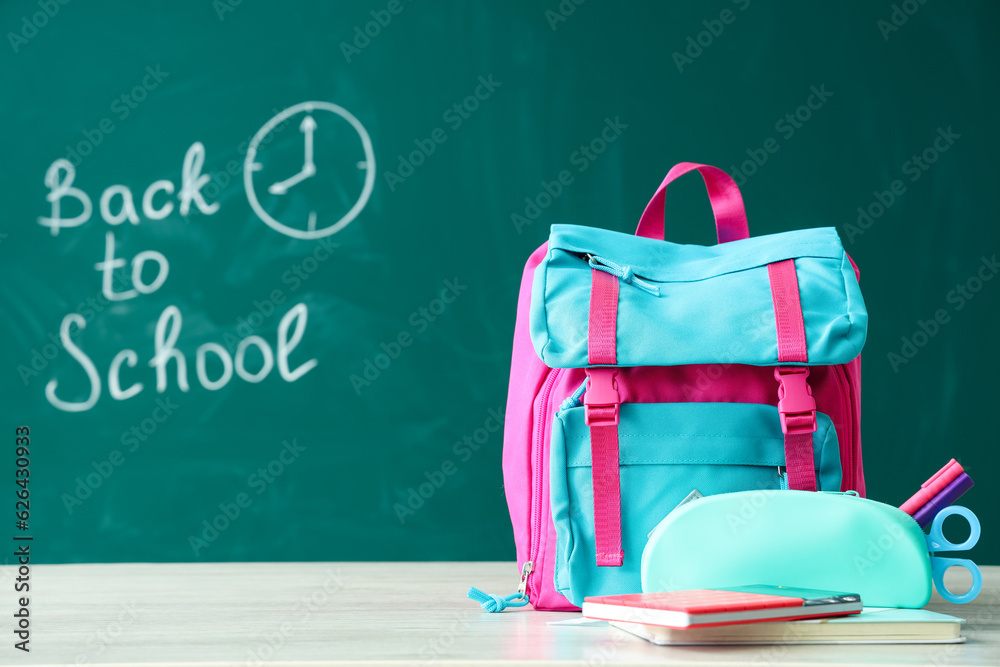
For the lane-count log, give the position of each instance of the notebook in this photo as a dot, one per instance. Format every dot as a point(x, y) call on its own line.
point(704, 607)
point(874, 625)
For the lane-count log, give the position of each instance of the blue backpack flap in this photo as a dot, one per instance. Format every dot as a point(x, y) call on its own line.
point(686, 304)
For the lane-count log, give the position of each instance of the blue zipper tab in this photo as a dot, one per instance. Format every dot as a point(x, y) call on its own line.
point(622, 272)
point(576, 400)
point(494, 604)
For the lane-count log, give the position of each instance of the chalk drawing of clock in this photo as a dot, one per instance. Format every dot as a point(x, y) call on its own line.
point(310, 170)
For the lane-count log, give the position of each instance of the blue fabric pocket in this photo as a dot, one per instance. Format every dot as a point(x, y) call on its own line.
point(666, 450)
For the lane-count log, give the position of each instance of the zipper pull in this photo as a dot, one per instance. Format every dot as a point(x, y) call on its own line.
point(522, 588)
point(622, 272)
point(494, 604)
point(573, 401)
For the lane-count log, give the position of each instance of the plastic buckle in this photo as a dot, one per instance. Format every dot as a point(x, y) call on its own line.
point(796, 404)
point(601, 399)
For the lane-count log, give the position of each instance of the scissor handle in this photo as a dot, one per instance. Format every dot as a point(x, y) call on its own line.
point(936, 541)
point(940, 565)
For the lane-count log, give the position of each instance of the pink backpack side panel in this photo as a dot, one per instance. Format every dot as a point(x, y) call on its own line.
point(534, 395)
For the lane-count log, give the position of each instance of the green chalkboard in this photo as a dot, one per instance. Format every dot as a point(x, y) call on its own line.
point(259, 260)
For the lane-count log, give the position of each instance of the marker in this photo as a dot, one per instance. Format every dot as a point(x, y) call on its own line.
point(947, 497)
point(933, 486)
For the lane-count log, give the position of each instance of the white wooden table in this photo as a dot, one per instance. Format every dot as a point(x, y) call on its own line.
point(373, 614)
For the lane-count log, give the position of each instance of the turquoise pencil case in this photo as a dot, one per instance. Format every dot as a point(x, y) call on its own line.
point(827, 541)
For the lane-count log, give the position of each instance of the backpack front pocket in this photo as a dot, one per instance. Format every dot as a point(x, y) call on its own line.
point(666, 450)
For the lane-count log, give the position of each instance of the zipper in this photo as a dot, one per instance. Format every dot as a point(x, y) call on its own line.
point(623, 273)
point(845, 384)
point(537, 481)
point(879, 502)
point(494, 604)
point(522, 588)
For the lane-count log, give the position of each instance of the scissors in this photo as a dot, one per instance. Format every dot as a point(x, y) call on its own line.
point(936, 541)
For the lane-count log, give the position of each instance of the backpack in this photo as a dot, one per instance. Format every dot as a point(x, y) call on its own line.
point(644, 370)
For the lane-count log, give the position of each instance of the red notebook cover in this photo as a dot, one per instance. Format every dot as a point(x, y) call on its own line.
point(700, 601)
point(703, 607)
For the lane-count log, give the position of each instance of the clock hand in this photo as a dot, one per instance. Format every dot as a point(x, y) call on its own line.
point(307, 127)
point(281, 187)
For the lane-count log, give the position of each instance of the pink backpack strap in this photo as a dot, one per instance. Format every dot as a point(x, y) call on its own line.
point(601, 402)
point(796, 405)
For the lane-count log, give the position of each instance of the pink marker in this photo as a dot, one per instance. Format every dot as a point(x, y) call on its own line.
point(933, 486)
